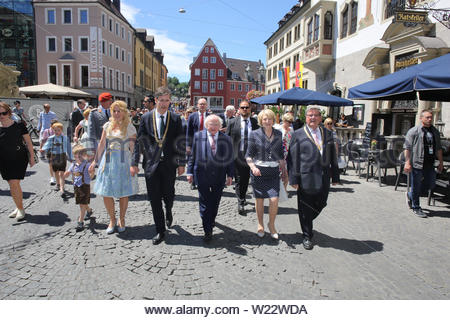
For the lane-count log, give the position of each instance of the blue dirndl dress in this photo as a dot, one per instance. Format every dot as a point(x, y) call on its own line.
point(113, 176)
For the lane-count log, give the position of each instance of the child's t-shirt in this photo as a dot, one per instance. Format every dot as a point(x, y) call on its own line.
point(78, 171)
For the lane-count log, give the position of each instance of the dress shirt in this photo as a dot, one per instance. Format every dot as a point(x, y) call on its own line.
point(317, 136)
point(45, 120)
point(81, 170)
point(211, 137)
point(249, 123)
point(158, 122)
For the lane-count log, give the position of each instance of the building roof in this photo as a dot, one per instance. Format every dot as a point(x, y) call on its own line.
point(238, 68)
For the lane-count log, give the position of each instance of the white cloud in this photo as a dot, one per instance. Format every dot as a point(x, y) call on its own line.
point(129, 12)
point(177, 54)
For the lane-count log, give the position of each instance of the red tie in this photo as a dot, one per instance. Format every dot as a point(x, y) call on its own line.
point(201, 122)
point(213, 146)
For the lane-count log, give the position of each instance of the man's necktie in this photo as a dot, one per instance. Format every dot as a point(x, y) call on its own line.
point(246, 135)
point(161, 127)
point(213, 146)
point(316, 138)
point(107, 113)
point(201, 122)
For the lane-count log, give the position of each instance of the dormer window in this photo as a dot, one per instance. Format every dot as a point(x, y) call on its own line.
point(328, 26)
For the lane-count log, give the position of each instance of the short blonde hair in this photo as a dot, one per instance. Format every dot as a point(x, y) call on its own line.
point(266, 112)
point(57, 125)
point(79, 149)
point(327, 121)
point(288, 117)
point(86, 112)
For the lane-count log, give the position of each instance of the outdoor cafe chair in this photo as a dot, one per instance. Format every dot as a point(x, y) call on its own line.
point(356, 154)
point(382, 159)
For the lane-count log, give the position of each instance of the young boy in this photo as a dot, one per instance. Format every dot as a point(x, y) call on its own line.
point(60, 150)
point(81, 184)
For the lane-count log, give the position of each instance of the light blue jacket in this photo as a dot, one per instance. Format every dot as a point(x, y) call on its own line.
point(64, 145)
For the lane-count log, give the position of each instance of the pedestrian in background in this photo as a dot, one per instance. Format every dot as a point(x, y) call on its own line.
point(45, 135)
point(287, 131)
point(83, 127)
point(422, 148)
point(18, 110)
point(266, 159)
point(77, 116)
point(211, 163)
point(81, 184)
point(113, 177)
point(97, 119)
point(16, 151)
point(45, 118)
point(60, 150)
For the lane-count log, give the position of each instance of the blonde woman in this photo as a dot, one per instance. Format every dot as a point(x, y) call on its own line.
point(328, 124)
point(113, 177)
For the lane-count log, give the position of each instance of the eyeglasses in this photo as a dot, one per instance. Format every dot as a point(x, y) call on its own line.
point(4, 113)
point(328, 124)
point(313, 115)
point(244, 107)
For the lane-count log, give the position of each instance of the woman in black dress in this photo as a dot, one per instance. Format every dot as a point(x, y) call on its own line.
point(15, 145)
point(266, 159)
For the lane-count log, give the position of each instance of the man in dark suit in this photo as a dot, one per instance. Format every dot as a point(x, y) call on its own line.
point(239, 130)
point(98, 117)
point(77, 116)
point(311, 160)
point(212, 165)
point(160, 136)
point(196, 122)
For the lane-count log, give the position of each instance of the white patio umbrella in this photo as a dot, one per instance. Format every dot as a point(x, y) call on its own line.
point(54, 90)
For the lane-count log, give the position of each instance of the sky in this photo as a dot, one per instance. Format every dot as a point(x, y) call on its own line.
point(237, 27)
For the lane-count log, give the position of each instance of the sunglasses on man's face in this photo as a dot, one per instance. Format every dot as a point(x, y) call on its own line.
point(245, 107)
point(4, 113)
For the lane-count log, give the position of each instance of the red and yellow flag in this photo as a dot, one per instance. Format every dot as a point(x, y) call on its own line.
point(299, 74)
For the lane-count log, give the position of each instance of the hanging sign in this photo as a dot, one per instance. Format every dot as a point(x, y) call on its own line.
point(411, 17)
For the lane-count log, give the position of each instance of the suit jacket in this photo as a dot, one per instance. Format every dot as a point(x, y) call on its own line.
point(97, 118)
point(172, 149)
point(234, 131)
point(209, 169)
point(224, 119)
point(77, 116)
point(307, 167)
point(193, 125)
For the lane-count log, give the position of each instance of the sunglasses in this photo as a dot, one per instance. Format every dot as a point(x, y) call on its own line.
point(245, 107)
point(4, 113)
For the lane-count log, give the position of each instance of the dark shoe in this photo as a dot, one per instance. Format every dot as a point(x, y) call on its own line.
point(79, 227)
point(207, 237)
point(158, 238)
point(408, 200)
point(241, 210)
point(193, 186)
point(418, 212)
point(307, 244)
point(169, 218)
point(88, 215)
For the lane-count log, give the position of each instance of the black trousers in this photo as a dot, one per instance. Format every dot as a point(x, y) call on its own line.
point(242, 176)
point(209, 200)
point(161, 186)
point(309, 207)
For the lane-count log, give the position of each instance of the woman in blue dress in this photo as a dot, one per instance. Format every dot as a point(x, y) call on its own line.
point(113, 177)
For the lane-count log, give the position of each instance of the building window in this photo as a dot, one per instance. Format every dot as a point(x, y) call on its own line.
point(205, 86)
point(247, 88)
point(110, 22)
point(83, 16)
point(123, 81)
point(212, 87)
point(205, 59)
point(52, 74)
point(67, 44)
point(239, 101)
point(117, 53)
point(232, 101)
point(205, 74)
point(220, 85)
point(316, 27)
point(297, 32)
point(274, 73)
point(84, 76)
point(212, 50)
point(269, 74)
point(232, 87)
point(111, 49)
point(328, 28)
point(104, 47)
point(309, 27)
point(129, 58)
point(51, 44)
point(67, 75)
point(117, 29)
point(111, 82)
point(196, 71)
point(344, 22)
point(288, 39)
point(213, 59)
point(123, 55)
point(206, 49)
point(129, 80)
point(280, 66)
point(196, 84)
point(103, 20)
point(104, 77)
point(129, 37)
point(288, 63)
point(220, 72)
point(122, 32)
point(354, 17)
point(50, 16)
point(239, 87)
point(281, 44)
point(275, 49)
point(212, 74)
point(117, 80)
point(270, 53)
point(67, 16)
point(84, 44)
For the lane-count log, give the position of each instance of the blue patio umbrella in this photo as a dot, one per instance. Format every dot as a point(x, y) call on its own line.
point(304, 97)
point(431, 79)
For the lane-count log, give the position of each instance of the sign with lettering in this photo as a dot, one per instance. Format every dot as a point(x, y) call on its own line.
point(367, 133)
point(411, 17)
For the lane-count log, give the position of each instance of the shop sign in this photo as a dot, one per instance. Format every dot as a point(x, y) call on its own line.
point(411, 17)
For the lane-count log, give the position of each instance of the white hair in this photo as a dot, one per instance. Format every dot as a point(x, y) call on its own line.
point(314, 107)
point(230, 107)
point(212, 117)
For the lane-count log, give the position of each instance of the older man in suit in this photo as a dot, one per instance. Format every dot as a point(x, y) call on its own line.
point(311, 160)
point(239, 129)
point(227, 116)
point(160, 137)
point(211, 163)
point(98, 117)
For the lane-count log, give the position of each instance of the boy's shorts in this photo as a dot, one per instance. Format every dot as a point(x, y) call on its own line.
point(82, 194)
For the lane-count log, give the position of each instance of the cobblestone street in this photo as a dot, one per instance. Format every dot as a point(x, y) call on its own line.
point(368, 245)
